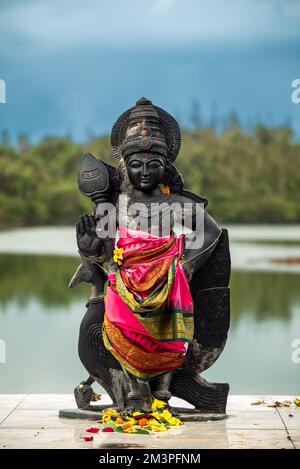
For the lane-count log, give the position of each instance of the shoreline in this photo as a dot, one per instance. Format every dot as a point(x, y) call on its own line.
point(254, 248)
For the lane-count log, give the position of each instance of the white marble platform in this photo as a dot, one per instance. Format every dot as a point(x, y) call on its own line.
point(31, 421)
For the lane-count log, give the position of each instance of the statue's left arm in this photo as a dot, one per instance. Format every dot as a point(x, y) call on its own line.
point(204, 236)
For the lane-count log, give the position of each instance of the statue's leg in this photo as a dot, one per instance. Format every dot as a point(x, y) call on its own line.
point(139, 396)
point(125, 391)
point(147, 396)
point(163, 383)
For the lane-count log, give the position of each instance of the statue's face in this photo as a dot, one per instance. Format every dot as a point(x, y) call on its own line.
point(145, 170)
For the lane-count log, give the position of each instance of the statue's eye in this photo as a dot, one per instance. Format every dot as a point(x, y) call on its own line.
point(154, 164)
point(135, 164)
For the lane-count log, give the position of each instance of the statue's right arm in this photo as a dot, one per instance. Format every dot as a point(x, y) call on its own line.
point(87, 241)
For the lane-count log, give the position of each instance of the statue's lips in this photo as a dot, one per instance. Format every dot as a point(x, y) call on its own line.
point(145, 180)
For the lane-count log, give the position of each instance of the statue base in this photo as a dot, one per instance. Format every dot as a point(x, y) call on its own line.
point(185, 415)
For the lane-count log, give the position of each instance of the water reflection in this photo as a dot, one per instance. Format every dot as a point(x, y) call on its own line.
point(44, 278)
point(261, 295)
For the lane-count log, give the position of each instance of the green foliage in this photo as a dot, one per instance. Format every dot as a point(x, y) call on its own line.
point(247, 177)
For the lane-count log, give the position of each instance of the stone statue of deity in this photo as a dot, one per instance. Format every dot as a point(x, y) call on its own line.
point(159, 267)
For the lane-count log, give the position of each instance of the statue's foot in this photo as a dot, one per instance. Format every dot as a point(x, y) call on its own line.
point(147, 405)
point(83, 395)
point(129, 410)
point(162, 395)
point(135, 402)
point(162, 387)
point(138, 403)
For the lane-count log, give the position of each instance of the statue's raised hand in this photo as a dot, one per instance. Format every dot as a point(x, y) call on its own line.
point(87, 241)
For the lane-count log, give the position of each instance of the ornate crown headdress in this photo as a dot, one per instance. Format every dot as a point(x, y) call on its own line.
point(145, 127)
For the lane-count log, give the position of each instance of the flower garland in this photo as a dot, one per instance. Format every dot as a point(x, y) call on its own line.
point(160, 420)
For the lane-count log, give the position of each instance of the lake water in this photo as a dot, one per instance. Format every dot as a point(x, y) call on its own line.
point(40, 319)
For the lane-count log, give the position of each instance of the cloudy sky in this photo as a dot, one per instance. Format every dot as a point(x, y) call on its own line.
point(71, 67)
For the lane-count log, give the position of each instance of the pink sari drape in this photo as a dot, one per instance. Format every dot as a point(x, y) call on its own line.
point(154, 342)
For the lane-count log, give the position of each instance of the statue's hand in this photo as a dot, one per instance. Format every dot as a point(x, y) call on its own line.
point(87, 241)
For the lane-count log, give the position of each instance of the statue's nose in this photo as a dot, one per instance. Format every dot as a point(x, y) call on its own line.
point(145, 170)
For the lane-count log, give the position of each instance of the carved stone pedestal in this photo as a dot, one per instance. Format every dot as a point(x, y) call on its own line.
point(185, 415)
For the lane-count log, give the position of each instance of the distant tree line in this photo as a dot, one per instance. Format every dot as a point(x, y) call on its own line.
point(248, 176)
